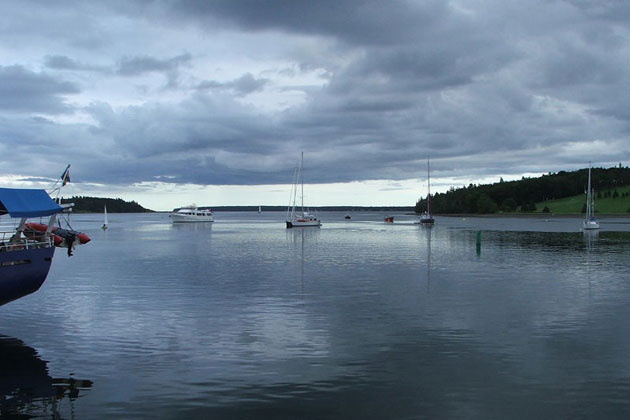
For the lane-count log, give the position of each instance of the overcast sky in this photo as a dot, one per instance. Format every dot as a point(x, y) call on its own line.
point(171, 102)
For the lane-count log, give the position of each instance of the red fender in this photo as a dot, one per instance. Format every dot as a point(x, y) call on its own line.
point(42, 228)
point(82, 237)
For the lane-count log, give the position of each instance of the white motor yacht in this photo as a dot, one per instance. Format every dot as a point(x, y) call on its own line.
point(191, 215)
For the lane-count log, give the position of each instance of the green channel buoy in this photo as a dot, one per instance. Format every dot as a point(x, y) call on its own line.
point(478, 242)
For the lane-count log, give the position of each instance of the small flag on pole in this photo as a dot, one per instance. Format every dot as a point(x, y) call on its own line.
point(65, 176)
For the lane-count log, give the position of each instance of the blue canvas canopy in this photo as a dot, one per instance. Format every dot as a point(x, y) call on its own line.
point(27, 203)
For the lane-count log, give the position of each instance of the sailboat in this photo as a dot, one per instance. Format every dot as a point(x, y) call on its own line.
point(426, 219)
point(302, 219)
point(590, 222)
point(259, 209)
point(105, 223)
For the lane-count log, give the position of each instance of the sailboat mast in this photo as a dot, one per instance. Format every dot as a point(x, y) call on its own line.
point(291, 206)
point(588, 195)
point(428, 187)
point(302, 172)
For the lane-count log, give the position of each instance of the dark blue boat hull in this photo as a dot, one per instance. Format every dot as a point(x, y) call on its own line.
point(23, 272)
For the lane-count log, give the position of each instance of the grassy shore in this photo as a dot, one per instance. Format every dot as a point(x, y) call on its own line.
point(606, 202)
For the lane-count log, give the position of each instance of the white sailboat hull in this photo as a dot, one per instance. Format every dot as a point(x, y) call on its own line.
point(296, 224)
point(299, 223)
point(590, 225)
point(304, 221)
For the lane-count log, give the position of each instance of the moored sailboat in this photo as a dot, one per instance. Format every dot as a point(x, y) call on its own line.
point(303, 218)
point(426, 219)
point(590, 222)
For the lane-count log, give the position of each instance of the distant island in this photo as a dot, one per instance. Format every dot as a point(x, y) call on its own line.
point(97, 204)
point(557, 193)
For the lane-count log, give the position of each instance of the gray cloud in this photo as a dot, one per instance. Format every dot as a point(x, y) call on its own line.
point(351, 21)
point(22, 90)
point(62, 62)
point(244, 85)
point(135, 66)
point(139, 65)
point(248, 84)
point(367, 89)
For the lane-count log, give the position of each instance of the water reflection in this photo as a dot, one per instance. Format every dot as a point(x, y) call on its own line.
point(590, 238)
point(300, 238)
point(353, 320)
point(26, 388)
point(428, 232)
point(192, 227)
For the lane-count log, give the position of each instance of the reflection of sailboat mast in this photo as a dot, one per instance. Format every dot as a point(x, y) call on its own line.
point(428, 258)
point(302, 264)
point(590, 239)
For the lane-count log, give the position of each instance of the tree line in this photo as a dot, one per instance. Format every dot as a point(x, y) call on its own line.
point(97, 204)
point(522, 195)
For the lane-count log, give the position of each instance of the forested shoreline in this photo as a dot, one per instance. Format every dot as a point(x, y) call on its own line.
point(97, 204)
point(524, 194)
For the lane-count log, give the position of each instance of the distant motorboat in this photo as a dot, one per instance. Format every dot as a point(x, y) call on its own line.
point(347, 216)
point(191, 214)
point(590, 222)
point(303, 218)
point(389, 219)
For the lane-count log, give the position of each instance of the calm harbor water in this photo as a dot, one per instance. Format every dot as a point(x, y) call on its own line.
point(358, 319)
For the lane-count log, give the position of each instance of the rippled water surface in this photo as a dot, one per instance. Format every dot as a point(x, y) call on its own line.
point(358, 319)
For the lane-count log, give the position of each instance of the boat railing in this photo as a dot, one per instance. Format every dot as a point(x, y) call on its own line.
point(10, 242)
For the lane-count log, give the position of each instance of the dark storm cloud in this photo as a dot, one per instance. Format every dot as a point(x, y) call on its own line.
point(351, 21)
point(410, 52)
point(22, 90)
point(205, 139)
point(41, 147)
